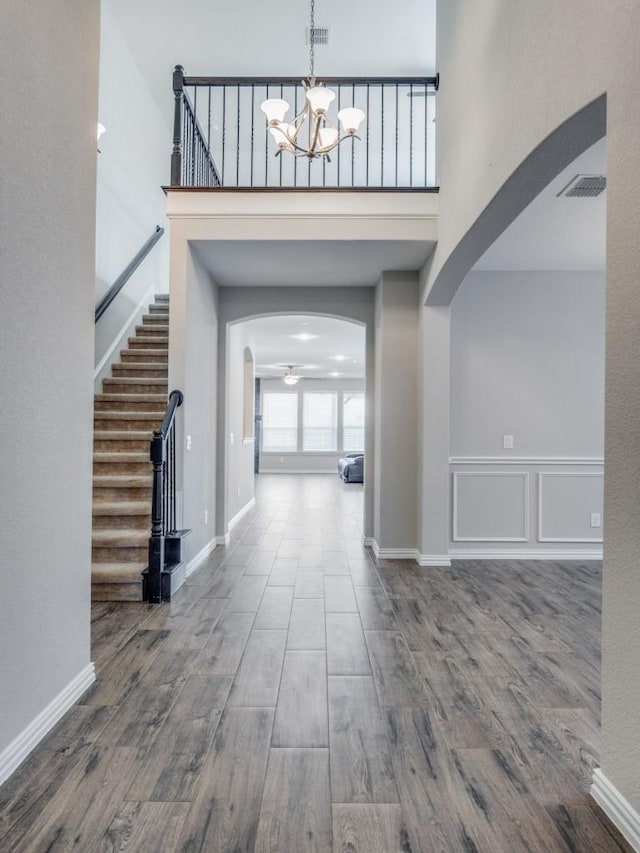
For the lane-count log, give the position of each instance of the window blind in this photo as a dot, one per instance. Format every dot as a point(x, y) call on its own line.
point(280, 422)
point(320, 421)
point(353, 421)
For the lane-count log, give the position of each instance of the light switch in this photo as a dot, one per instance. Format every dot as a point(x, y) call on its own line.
point(507, 442)
point(231, 438)
point(206, 517)
point(596, 519)
point(188, 442)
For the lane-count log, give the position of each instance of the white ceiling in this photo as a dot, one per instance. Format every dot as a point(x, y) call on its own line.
point(308, 262)
point(274, 345)
point(249, 38)
point(557, 233)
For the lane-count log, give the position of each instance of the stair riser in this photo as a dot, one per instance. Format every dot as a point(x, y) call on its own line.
point(148, 343)
point(160, 308)
point(130, 406)
point(116, 591)
point(119, 554)
point(122, 425)
point(135, 371)
point(121, 493)
point(136, 468)
point(122, 522)
point(146, 357)
point(116, 387)
point(152, 329)
point(156, 319)
point(105, 445)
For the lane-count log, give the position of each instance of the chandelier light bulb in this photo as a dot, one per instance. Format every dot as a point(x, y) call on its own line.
point(328, 137)
point(275, 110)
point(320, 99)
point(291, 378)
point(279, 134)
point(351, 118)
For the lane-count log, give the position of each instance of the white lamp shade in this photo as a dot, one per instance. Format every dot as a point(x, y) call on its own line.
point(320, 98)
point(279, 135)
point(328, 137)
point(290, 378)
point(351, 118)
point(274, 109)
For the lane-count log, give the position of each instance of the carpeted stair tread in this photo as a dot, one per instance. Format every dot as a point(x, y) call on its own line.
point(106, 508)
point(117, 572)
point(122, 456)
point(160, 399)
point(119, 537)
point(122, 435)
point(134, 481)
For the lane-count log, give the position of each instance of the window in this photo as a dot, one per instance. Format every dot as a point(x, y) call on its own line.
point(248, 396)
point(353, 420)
point(320, 422)
point(280, 422)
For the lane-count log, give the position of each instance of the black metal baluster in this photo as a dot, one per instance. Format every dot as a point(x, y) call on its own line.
point(266, 147)
point(396, 134)
point(238, 136)
point(253, 89)
point(382, 139)
point(425, 136)
point(209, 174)
point(368, 120)
point(353, 147)
point(280, 157)
point(410, 134)
point(339, 146)
point(224, 126)
point(295, 159)
point(195, 127)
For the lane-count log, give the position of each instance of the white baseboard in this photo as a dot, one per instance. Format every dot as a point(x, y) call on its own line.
point(245, 509)
point(524, 554)
point(390, 553)
point(201, 556)
point(619, 811)
point(16, 752)
point(368, 541)
point(225, 540)
point(297, 471)
point(434, 560)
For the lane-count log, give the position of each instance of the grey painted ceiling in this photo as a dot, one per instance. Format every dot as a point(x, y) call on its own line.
point(308, 262)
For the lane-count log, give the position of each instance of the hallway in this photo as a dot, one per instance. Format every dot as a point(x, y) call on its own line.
point(298, 696)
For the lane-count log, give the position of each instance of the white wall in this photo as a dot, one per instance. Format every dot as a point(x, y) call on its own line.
point(47, 226)
point(511, 74)
point(133, 164)
point(240, 459)
point(301, 461)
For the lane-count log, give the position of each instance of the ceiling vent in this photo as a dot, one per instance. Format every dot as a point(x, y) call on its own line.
point(318, 35)
point(584, 186)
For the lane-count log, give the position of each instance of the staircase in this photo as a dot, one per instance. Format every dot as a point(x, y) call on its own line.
point(131, 406)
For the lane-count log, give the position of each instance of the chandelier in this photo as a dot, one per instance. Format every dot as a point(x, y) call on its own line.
point(291, 378)
point(321, 137)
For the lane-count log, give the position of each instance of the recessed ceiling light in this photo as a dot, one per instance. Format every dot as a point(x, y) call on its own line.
point(335, 374)
point(303, 336)
point(339, 358)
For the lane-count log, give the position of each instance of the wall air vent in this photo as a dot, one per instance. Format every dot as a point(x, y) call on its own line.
point(584, 186)
point(318, 35)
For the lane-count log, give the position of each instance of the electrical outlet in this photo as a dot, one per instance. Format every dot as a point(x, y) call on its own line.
point(596, 519)
point(188, 442)
point(507, 442)
point(238, 491)
point(231, 438)
point(206, 516)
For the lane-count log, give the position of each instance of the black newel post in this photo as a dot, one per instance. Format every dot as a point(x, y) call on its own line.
point(176, 155)
point(156, 540)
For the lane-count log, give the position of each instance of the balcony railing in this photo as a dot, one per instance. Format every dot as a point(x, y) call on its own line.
point(221, 137)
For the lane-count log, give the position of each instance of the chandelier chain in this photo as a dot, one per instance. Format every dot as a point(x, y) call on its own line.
point(312, 52)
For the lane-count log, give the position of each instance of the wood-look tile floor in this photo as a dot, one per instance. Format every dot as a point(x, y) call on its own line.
point(298, 696)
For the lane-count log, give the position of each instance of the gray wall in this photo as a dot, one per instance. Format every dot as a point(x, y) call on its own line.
point(132, 167)
point(47, 225)
point(511, 74)
point(193, 363)
point(240, 459)
point(527, 359)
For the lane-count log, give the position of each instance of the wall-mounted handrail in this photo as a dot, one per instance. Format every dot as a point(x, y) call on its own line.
point(127, 272)
point(162, 453)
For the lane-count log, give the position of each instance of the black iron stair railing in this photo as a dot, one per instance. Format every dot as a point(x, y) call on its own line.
point(165, 539)
point(221, 138)
point(127, 272)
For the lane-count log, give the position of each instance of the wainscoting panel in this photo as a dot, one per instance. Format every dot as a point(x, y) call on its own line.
point(491, 506)
point(566, 501)
point(525, 507)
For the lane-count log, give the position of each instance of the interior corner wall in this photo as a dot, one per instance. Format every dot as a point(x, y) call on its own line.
point(509, 77)
point(527, 361)
point(47, 228)
point(240, 450)
point(193, 369)
point(396, 414)
point(133, 164)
